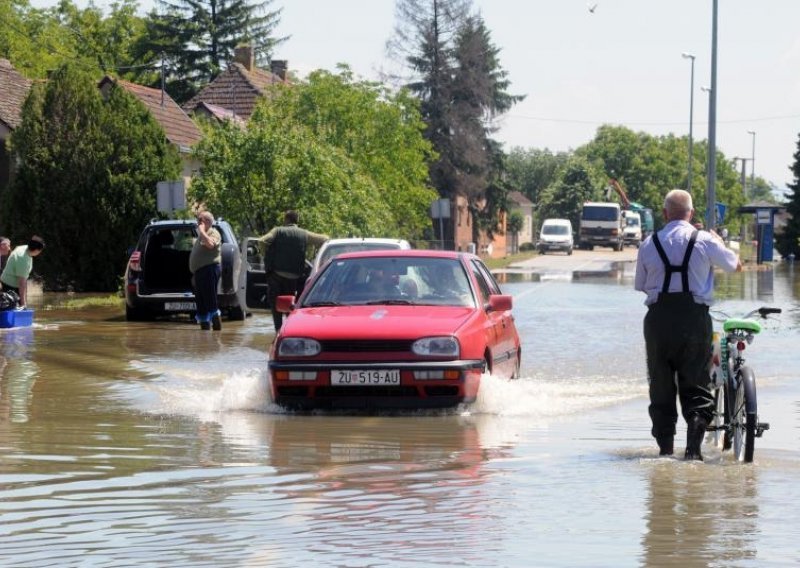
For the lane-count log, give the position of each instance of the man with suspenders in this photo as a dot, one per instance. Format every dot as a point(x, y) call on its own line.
point(675, 268)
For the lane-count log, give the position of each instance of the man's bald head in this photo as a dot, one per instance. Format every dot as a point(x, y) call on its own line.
point(678, 205)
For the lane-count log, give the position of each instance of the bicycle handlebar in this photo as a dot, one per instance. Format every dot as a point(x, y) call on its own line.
point(765, 311)
point(762, 312)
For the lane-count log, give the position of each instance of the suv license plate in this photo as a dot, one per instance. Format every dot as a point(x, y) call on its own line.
point(179, 306)
point(346, 378)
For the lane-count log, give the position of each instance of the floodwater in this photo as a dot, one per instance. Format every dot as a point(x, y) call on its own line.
point(153, 444)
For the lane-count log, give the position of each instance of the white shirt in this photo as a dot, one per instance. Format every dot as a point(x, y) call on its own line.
point(709, 251)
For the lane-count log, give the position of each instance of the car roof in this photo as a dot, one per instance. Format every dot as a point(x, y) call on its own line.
point(371, 240)
point(413, 253)
point(557, 222)
point(159, 223)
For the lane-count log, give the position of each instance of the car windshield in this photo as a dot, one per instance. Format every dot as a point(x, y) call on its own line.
point(555, 230)
point(632, 221)
point(391, 280)
point(340, 248)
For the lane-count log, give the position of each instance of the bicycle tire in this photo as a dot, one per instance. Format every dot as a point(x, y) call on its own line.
point(744, 416)
point(719, 422)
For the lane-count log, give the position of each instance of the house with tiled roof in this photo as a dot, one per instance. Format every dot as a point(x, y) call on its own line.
point(14, 89)
point(238, 88)
point(179, 128)
point(518, 202)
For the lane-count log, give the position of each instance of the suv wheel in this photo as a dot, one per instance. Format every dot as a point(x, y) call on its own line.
point(134, 314)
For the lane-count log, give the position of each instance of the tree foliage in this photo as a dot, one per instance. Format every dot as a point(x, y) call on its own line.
point(531, 170)
point(87, 181)
point(198, 38)
point(349, 155)
point(788, 241)
point(38, 40)
point(577, 183)
point(456, 74)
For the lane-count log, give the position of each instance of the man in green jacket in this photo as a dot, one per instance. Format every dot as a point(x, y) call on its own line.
point(285, 259)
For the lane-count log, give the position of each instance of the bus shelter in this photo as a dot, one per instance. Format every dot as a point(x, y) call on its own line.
point(765, 227)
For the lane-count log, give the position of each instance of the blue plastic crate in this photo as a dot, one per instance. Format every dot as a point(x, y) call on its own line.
point(16, 318)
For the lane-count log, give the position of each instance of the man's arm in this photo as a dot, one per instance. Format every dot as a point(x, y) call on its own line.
point(22, 286)
point(316, 239)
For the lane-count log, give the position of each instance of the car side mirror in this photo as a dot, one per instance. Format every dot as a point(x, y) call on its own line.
point(500, 302)
point(284, 304)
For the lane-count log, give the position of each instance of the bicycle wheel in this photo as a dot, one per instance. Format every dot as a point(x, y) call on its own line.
point(744, 416)
point(718, 422)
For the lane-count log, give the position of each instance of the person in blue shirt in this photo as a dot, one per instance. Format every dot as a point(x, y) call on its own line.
point(675, 269)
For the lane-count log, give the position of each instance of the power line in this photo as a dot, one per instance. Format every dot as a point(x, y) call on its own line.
point(678, 123)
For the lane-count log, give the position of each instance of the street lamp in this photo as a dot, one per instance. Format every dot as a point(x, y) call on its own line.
point(691, 121)
point(752, 161)
point(744, 190)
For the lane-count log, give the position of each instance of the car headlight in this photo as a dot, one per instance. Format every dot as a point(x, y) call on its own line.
point(299, 347)
point(437, 347)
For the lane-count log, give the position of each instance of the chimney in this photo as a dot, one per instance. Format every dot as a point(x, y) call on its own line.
point(244, 54)
point(279, 67)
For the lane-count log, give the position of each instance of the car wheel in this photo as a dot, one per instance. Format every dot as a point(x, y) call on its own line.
point(135, 314)
point(515, 370)
point(569, 251)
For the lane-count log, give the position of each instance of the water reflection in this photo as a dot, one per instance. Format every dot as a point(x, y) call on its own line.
point(701, 514)
point(18, 373)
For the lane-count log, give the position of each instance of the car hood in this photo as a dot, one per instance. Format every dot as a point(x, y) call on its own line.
point(378, 322)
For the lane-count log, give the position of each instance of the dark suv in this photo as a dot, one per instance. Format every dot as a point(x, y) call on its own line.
point(158, 281)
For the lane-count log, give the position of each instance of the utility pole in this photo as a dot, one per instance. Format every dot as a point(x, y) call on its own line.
point(691, 121)
point(711, 196)
point(752, 162)
point(743, 231)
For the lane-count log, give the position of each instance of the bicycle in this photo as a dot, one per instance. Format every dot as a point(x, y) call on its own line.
point(735, 423)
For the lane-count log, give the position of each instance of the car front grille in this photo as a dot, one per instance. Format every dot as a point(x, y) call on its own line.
point(366, 346)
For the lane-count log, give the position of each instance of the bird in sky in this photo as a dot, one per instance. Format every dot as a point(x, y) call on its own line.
point(592, 7)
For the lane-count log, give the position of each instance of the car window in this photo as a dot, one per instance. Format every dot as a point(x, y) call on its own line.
point(374, 280)
point(555, 230)
point(337, 249)
point(483, 287)
point(491, 283)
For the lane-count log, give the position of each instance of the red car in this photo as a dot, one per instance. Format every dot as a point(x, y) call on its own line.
point(393, 329)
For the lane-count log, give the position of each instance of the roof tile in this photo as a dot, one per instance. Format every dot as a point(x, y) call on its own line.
point(14, 89)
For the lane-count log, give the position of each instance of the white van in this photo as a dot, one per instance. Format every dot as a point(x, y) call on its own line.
point(556, 234)
point(632, 234)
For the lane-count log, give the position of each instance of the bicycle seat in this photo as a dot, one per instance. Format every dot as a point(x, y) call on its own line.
point(745, 324)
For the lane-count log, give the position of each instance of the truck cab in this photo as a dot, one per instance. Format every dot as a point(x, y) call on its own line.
point(601, 224)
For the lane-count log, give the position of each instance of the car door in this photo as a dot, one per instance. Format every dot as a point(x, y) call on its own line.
point(494, 322)
point(506, 328)
point(256, 288)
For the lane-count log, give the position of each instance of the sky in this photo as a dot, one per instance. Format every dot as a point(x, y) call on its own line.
point(620, 64)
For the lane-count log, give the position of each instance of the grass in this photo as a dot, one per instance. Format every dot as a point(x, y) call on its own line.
point(497, 263)
point(109, 301)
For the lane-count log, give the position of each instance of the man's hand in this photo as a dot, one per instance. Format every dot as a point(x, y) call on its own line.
point(739, 265)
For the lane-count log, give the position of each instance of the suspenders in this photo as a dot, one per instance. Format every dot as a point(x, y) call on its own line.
point(669, 269)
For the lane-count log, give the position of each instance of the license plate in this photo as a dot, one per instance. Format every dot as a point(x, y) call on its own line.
point(348, 378)
point(179, 306)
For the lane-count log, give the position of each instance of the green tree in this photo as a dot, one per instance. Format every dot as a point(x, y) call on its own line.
point(198, 38)
point(514, 225)
point(532, 170)
point(578, 183)
point(87, 179)
point(349, 155)
point(788, 240)
point(39, 40)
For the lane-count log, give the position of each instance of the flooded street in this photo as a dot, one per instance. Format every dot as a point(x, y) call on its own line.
point(153, 444)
